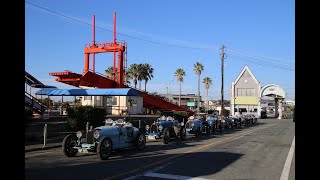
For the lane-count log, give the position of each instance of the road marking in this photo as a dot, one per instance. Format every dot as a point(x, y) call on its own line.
point(287, 165)
point(151, 171)
point(170, 176)
point(37, 154)
point(187, 152)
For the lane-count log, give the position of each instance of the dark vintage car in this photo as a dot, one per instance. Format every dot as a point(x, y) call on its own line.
point(103, 140)
point(263, 115)
point(165, 128)
point(245, 120)
point(197, 126)
point(235, 122)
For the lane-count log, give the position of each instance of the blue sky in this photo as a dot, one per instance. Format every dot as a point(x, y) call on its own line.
point(260, 34)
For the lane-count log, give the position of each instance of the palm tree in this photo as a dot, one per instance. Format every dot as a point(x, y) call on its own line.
point(207, 83)
point(140, 72)
point(198, 68)
point(147, 73)
point(179, 74)
point(133, 71)
point(110, 74)
point(128, 77)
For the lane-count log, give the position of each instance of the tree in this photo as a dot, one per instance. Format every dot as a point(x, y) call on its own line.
point(133, 71)
point(207, 83)
point(141, 74)
point(198, 68)
point(110, 74)
point(128, 78)
point(179, 74)
point(147, 74)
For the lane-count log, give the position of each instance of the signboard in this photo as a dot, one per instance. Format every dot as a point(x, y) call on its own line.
point(191, 104)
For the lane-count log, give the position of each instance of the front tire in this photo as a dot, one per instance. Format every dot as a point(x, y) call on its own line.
point(68, 144)
point(104, 148)
point(141, 142)
point(166, 136)
point(183, 133)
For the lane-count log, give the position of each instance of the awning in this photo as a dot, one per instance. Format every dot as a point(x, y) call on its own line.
point(89, 92)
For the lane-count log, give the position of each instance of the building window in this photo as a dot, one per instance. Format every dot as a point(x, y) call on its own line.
point(246, 92)
point(87, 98)
point(112, 101)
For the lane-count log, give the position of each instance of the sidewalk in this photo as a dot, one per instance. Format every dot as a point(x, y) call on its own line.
point(51, 143)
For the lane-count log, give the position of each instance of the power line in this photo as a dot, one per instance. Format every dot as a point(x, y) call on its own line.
point(260, 58)
point(86, 23)
point(262, 63)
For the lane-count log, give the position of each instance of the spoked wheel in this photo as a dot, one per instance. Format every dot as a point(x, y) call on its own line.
point(198, 132)
point(141, 142)
point(68, 144)
point(183, 133)
point(104, 148)
point(166, 136)
point(208, 130)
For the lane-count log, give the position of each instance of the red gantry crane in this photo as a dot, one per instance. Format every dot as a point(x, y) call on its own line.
point(90, 78)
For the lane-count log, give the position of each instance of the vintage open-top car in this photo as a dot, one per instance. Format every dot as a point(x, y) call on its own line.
point(197, 126)
point(165, 128)
point(104, 139)
point(211, 123)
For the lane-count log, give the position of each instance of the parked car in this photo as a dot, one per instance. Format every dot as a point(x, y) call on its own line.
point(211, 123)
point(197, 126)
point(165, 128)
point(103, 140)
point(220, 123)
point(236, 122)
point(263, 115)
point(254, 119)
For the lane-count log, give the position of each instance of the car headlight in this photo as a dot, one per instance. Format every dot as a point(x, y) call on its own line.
point(182, 123)
point(96, 134)
point(147, 127)
point(160, 127)
point(79, 134)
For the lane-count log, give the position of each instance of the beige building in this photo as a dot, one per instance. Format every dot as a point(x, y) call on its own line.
point(245, 94)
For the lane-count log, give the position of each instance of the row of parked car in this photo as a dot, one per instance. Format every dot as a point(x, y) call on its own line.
point(166, 127)
point(120, 134)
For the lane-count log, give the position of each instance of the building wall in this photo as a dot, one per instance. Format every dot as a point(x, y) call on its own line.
point(115, 105)
point(245, 93)
point(246, 100)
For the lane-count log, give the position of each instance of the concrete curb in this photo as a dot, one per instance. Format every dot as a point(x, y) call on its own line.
point(41, 147)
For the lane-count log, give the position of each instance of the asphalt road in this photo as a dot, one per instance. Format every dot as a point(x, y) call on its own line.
point(256, 152)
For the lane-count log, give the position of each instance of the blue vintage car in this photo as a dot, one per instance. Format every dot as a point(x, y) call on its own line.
point(197, 126)
point(165, 128)
point(104, 139)
point(211, 123)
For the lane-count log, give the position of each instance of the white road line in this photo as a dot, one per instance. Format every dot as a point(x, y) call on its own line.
point(170, 176)
point(287, 165)
point(150, 171)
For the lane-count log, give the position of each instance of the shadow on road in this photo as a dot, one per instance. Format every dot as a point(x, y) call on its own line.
point(203, 164)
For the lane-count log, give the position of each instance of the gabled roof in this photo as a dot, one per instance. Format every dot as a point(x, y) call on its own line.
point(90, 92)
point(244, 70)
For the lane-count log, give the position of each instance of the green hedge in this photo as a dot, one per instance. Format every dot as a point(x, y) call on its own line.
point(79, 116)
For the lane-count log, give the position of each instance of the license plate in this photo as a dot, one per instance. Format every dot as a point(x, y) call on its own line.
point(151, 137)
point(83, 150)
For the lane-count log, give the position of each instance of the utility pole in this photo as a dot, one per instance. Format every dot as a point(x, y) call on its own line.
point(222, 68)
